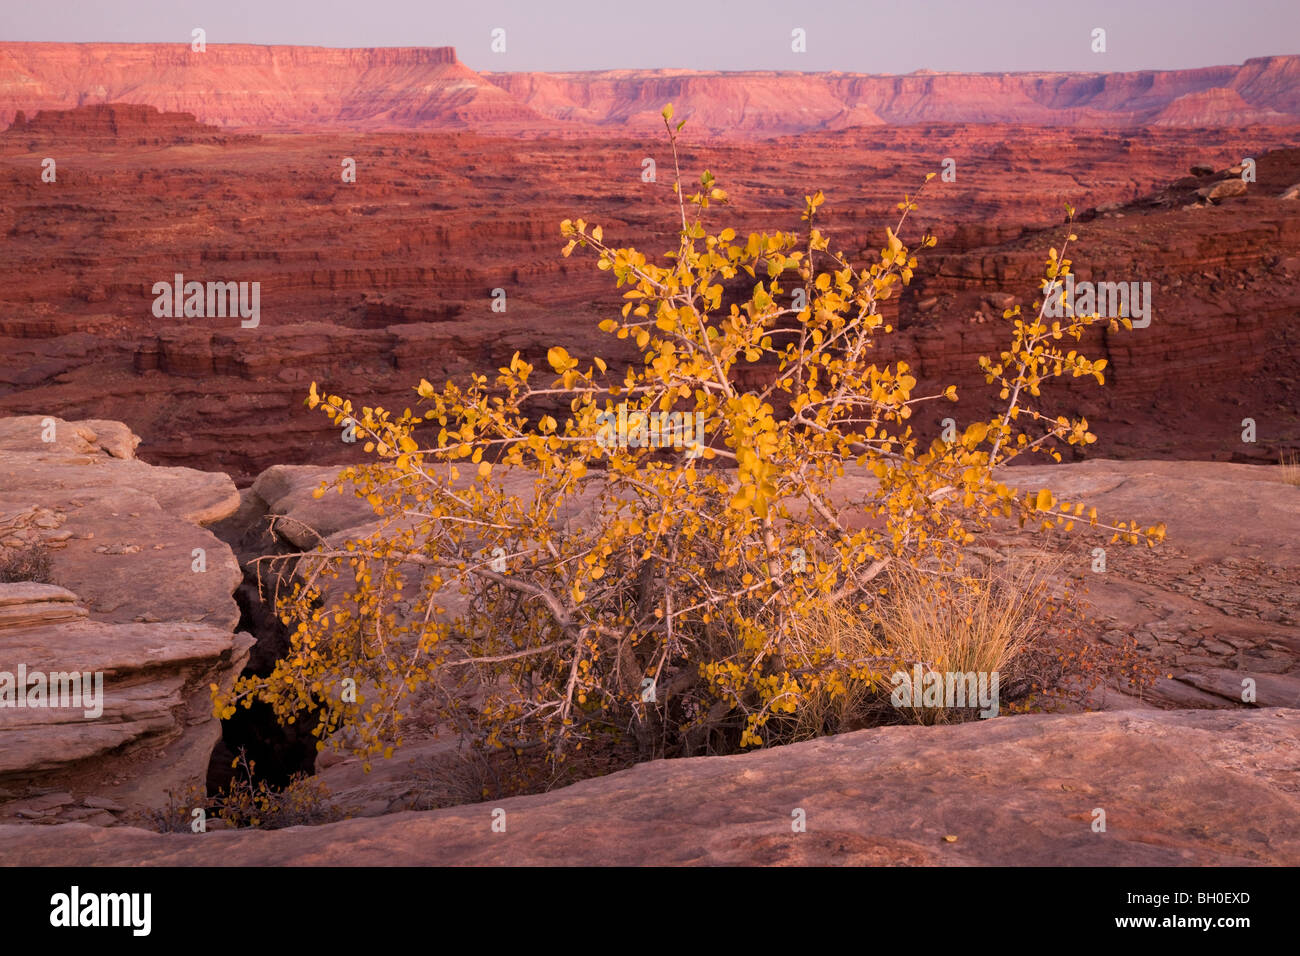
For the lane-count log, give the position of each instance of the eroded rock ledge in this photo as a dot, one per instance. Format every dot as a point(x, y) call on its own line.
point(138, 591)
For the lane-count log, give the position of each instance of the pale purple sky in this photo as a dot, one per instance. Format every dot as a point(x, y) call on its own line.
point(865, 36)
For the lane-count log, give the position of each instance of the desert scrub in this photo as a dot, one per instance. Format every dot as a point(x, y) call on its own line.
point(178, 816)
point(248, 802)
point(1016, 618)
point(978, 621)
point(28, 563)
point(633, 554)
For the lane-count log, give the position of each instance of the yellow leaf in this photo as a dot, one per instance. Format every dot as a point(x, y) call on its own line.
point(558, 357)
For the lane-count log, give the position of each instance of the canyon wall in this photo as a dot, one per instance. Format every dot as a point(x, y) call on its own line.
point(269, 87)
point(1260, 91)
point(368, 286)
point(391, 88)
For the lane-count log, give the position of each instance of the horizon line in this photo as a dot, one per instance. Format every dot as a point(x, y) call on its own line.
point(922, 71)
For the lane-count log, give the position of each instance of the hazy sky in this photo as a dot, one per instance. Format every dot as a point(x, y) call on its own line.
point(864, 36)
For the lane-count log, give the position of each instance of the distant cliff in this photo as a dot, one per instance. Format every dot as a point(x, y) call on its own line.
point(296, 87)
point(1261, 91)
point(261, 87)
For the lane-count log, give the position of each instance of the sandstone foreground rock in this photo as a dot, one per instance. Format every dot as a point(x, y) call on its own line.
point(139, 591)
point(1178, 787)
point(1216, 604)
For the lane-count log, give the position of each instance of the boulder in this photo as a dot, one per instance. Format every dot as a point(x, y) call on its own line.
point(123, 527)
point(1224, 189)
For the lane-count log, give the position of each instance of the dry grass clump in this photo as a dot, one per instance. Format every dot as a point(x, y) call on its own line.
point(1290, 464)
point(980, 622)
point(989, 619)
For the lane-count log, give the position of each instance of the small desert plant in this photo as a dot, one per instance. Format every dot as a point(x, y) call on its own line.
point(977, 621)
point(1065, 670)
point(674, 611)
point(248, 802)
point(474, 774)
point(178, 815)
point(836, 702)
point(450, 780)
point(30, 563)
point(980, 622)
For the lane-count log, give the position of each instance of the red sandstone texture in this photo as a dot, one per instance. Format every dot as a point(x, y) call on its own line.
point(1264, 90)
point(293, 87)
point(366, 287)
point(288, 87)
point(114, 125)
point(1187, 788)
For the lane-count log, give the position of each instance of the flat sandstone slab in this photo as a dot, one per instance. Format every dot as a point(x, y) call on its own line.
point(1177, 787)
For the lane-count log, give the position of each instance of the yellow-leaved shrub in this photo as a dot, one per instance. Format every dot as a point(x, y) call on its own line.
point(557, 585)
